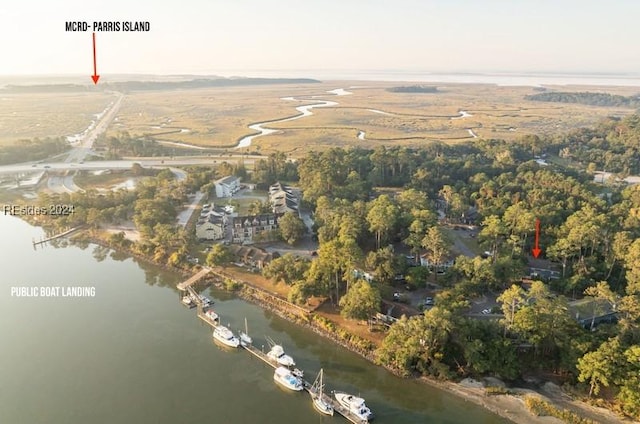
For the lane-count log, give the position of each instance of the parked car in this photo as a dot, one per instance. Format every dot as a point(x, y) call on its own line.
point(429, 301)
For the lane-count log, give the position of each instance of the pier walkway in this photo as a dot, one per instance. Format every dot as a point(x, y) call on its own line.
point(186, 286)
point(337, 407)
point(194, 279)
point(60, 235)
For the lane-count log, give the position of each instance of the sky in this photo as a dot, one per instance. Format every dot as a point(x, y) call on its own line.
point(295, 38)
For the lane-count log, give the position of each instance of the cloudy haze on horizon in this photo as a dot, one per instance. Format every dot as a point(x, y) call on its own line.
point(199, 36)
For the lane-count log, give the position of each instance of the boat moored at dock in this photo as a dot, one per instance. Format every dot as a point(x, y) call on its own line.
point(225, 336)
point(354, 404)
point(287, 379)
point(320, 401)
point(245, 339)
point(212, 315)
point(277, 354)
point(205, 300)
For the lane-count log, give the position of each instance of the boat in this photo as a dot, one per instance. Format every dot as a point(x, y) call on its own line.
point(277, 354)
point(187, 300)
point(245, 339)
point(211, 314)
point(285, 377)
point(225, 336)
point(320, 401)
point(205, 300)
point(354, 404)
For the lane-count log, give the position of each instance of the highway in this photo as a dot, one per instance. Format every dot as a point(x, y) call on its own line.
point(85, 145)
point(123, 164)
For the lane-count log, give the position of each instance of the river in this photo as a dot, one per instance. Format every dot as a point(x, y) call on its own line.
point(133, 354)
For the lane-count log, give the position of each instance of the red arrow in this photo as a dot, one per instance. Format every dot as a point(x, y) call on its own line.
point(95, 77)
point(536, 250)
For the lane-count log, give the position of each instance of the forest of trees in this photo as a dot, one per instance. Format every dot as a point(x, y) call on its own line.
point(593, 239)
point(32, 150)
point(613, 145)
point(413, 89)
point(586, 98)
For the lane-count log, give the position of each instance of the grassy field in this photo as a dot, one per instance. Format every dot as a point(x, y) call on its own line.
point(48, 114)
point(219, 117)
point(88, 180)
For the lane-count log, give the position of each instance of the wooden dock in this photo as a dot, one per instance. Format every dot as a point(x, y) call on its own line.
point(60, 235)
point(205, 318)
point(260, 354)
point(307, 386)
point(193, 279)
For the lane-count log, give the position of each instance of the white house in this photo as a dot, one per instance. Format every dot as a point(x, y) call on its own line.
point(227, 186)
point(211, 227)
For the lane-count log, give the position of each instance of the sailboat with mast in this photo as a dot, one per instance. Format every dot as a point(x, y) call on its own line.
point(245, 339)
point(320, 401)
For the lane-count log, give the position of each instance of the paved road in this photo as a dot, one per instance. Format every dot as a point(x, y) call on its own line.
point(62, 184)
point(85, 145)
point(117, 164)
point(185, 214)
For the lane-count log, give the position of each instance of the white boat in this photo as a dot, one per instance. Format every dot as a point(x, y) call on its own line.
point(354, 404)
point(286, 378)
point(245, 339)
point(205, 300)
point(225, 336)
point(320, 402)
point(277, 354)
point(211, 314)
point(187, 300)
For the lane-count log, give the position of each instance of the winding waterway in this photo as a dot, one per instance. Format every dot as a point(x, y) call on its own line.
point(303, 111)
point(134, 354)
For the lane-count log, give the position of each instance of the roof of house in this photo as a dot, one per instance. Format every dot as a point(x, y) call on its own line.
point(227, 180)
point(250, 253)
point(240, 220)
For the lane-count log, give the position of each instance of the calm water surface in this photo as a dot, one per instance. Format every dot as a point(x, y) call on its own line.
point(134, 354)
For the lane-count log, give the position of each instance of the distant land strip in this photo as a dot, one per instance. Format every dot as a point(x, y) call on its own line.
point(154, 85)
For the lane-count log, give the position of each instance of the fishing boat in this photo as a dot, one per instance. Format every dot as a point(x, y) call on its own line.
point(276, 354)
point(245, 339)
point(320, 401)
point(287, 379)
point(354, 404)
point(225, 336)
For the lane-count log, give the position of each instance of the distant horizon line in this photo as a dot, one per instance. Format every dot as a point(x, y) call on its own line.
point(499, 78)
point(240, 72)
